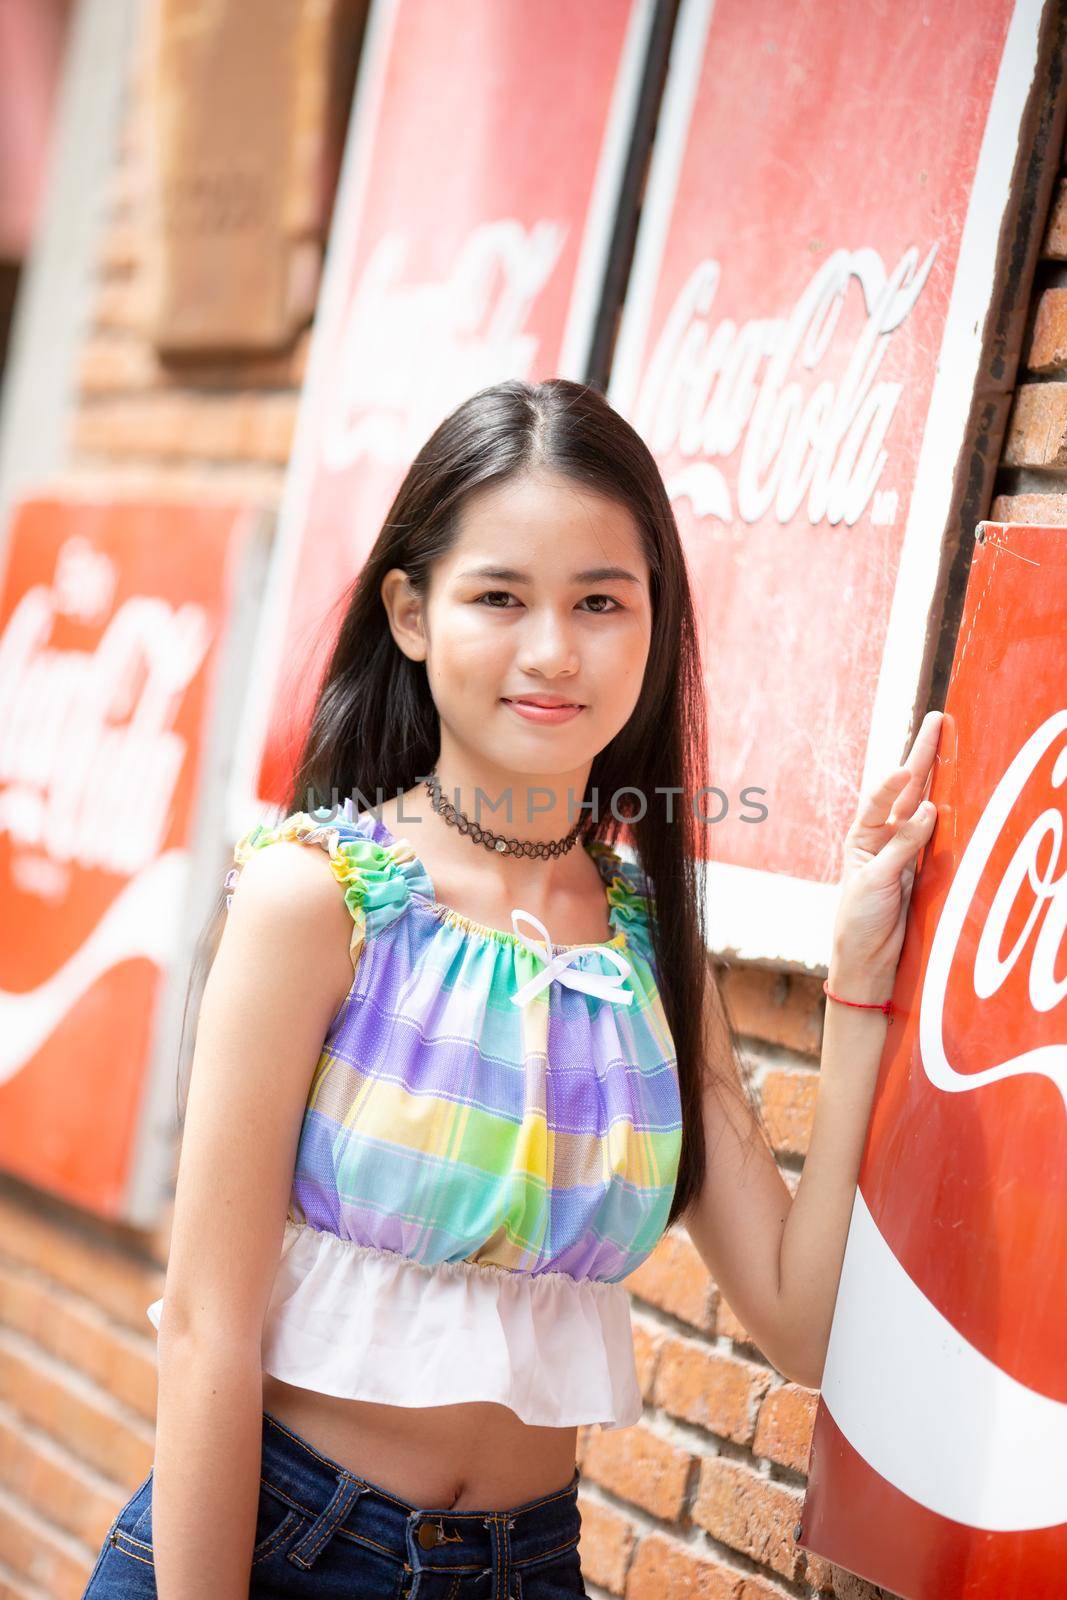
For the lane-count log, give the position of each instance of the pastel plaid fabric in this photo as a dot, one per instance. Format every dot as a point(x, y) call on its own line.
point(444, 1122)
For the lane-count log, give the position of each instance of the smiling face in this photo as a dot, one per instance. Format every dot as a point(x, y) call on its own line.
point(544, 595)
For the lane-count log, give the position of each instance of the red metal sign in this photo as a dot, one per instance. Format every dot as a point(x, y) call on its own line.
point(938, 1457)
point(799, 347)
point(474, 217)
point(110, 616)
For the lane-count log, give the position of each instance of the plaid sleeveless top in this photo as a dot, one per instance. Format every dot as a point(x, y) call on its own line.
point(490, 1145)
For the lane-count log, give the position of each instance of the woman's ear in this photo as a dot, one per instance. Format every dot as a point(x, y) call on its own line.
point(405, 611)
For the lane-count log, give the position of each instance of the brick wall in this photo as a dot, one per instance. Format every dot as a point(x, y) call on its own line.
point(77, 1386)
point(701, 1497)
point(1032, 483)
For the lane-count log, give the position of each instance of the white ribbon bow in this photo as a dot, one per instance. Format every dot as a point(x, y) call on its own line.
point(604, 985)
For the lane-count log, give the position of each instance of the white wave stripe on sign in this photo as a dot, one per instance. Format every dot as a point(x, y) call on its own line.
point(927, 1410)
point(141, 921)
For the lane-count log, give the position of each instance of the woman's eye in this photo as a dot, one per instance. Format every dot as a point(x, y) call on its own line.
point(492, 595)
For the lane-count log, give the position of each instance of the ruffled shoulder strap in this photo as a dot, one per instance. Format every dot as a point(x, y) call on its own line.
point(630, 897)
point(378, 874)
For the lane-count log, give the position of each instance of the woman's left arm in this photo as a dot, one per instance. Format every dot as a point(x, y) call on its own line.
point(778, 1258)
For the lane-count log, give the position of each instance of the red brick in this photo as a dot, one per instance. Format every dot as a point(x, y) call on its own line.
point(116, 363)
point(728, 1325)
point(226, 481)
point(712, 1389)
point(120, 427)
point(85, 1421)
point(664, 1569)
point(174, 424)
point(1037, 431)
point(79, 1334)
point(675, 1279)
point(847, 1586)
point(122, 251)
point(779, 1008)
point(267, 424)
point(789, 1110)
point(1055, 244)
point(1048, 346)
point(639, 1466)
point(648, 1342)
point(112, 363)
point(121, 305)
point(818, 1574)
point(750, 1513)
point(50, 1559)
point(1049, 509)
point(784, 1426)
point(121, 1285)
point(755, 1587)
point(54, 1484)
point(126, 191)
point(605, 1545)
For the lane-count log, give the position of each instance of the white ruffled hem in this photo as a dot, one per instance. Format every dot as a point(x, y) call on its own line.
point(366, 1324)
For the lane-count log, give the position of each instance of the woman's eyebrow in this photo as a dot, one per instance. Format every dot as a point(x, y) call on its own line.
point(590, 575)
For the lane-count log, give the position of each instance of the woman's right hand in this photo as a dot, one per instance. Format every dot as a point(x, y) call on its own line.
point(892, 824)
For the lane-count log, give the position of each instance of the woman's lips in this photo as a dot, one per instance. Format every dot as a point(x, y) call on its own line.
point(531, 713)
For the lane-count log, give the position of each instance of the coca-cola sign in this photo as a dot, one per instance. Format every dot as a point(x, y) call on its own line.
point(937, 1460)
point(803, 336)
point(471, 238)
point(110, 617)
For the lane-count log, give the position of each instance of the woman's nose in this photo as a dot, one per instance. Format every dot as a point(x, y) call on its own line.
point(547, 646)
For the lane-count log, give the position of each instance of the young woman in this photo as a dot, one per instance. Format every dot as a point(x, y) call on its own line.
point(460, 1063)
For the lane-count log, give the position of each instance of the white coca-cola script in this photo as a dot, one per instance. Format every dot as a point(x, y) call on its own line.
point(89, 756)
point(715, 388)
point(1040, 939)
point(410, 352)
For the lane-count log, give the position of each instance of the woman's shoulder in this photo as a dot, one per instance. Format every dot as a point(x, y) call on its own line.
point(376, 874)
point(288, 903)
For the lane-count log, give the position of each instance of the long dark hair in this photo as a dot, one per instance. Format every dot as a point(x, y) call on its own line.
point(374, 730)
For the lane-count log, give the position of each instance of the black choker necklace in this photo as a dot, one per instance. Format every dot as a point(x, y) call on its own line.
point(496, 841)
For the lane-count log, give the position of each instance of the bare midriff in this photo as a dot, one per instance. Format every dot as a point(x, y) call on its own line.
point(471, 1457)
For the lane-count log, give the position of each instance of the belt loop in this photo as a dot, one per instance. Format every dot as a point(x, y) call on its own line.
point(304, 1552)
point(500, 1526)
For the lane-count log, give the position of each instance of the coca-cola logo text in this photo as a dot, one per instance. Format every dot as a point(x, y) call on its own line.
point(1040, 939)
point(715, 388)
point(410, 352)
point(89, 754)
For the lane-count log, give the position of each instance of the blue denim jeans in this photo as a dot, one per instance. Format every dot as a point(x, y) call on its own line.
point(323, 1532)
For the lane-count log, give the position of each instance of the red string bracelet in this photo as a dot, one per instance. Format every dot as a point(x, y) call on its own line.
point(867, 1005)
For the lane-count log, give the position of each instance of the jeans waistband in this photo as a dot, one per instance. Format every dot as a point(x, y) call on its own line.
point(422, 1536)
